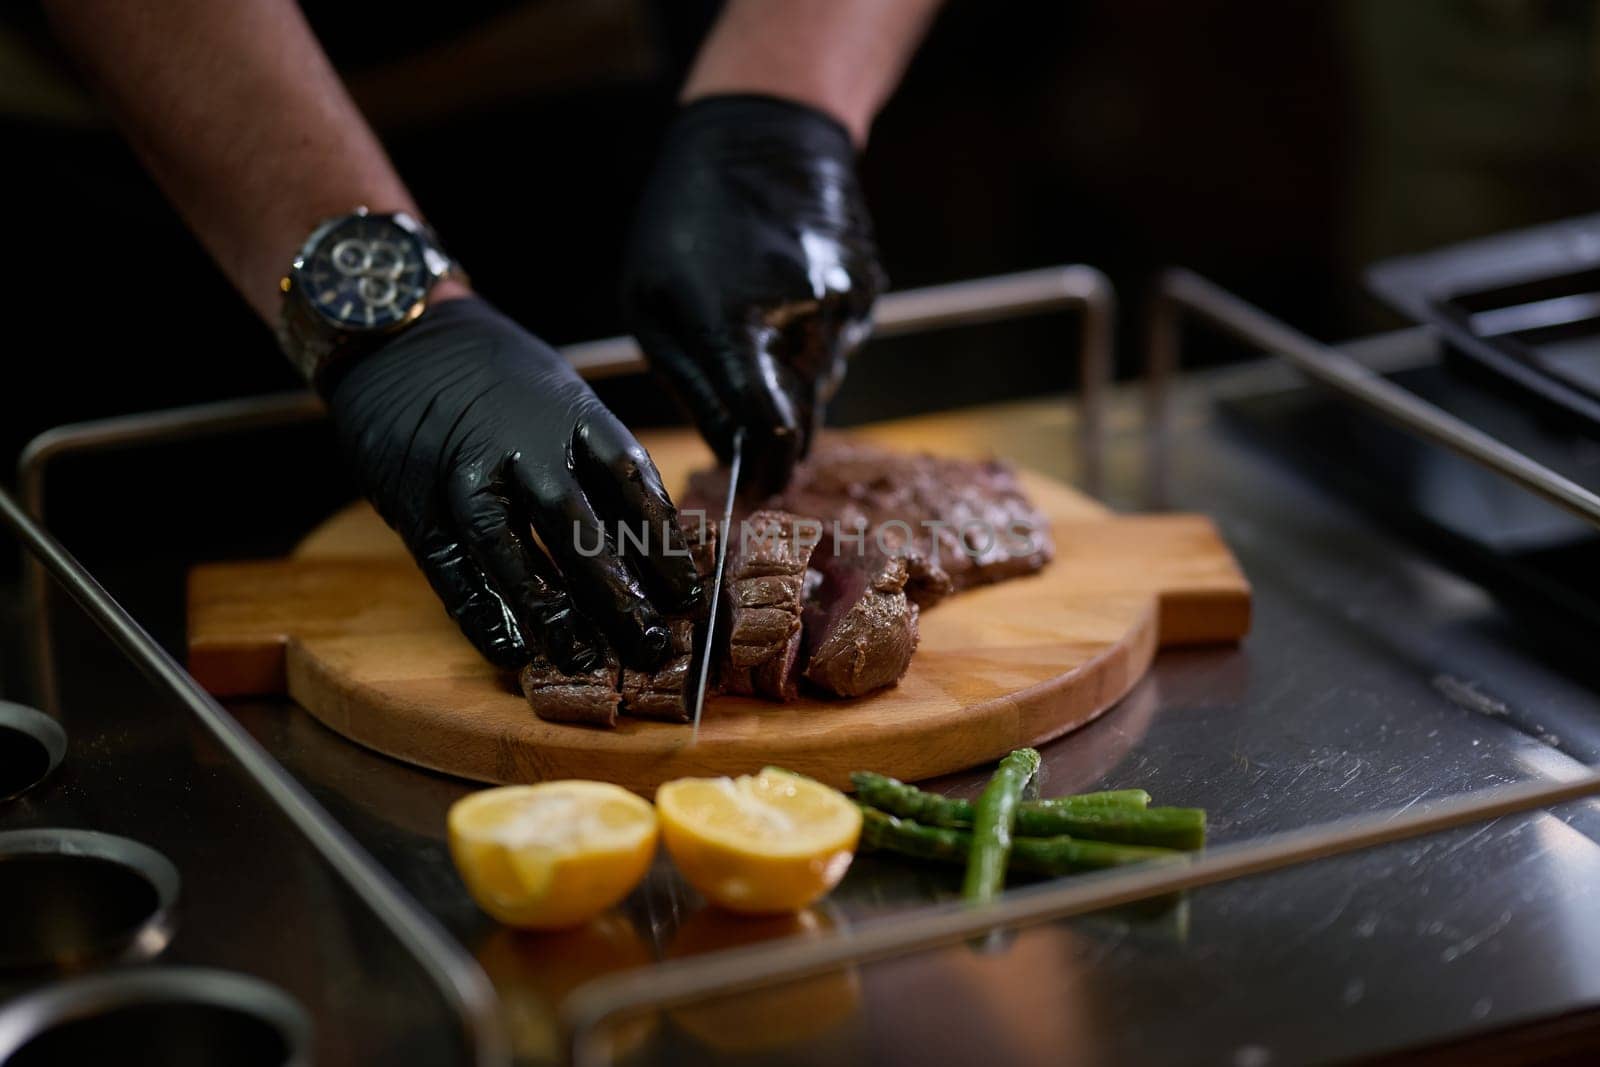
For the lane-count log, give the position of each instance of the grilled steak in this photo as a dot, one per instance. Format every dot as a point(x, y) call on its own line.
point(967, 519)
point(667, 693)
point(860, 628)
point(927, 526)
point(764, 577)
point(589, 698)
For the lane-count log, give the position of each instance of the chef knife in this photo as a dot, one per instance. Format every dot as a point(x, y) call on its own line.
point(724, 535)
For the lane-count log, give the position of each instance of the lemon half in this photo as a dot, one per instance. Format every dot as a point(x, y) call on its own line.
point(551, 855)
point(760, 843)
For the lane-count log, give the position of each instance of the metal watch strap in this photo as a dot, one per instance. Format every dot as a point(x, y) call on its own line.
point(314, 346)
point(309, 347)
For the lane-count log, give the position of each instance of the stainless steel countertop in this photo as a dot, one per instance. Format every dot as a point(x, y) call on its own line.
point(1373, 679)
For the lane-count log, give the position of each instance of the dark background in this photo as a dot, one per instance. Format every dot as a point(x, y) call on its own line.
point(1275, 146)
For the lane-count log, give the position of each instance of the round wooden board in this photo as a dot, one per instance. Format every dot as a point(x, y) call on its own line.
point(349, 629)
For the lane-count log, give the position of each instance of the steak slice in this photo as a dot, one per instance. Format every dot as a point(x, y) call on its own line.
point(590, 698)
point(667, 692)
point(594, 697)
point(763, 581)
point(664, 693)
point(860, 626)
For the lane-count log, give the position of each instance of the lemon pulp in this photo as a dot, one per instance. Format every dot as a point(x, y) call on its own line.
point(554, 854)
point(765, 842)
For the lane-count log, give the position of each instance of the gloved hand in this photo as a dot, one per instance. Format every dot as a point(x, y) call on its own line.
point(751, 273)
point(466, 432)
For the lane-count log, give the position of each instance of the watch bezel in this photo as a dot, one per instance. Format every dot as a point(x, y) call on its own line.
point(436, 265)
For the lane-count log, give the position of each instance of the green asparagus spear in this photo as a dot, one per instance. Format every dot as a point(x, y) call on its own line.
point(897, 798)
point(993, 817)
point(1124, 820)
point(888, 833)
point(1183, 828)
point(1051, 856)
point(1129, 799)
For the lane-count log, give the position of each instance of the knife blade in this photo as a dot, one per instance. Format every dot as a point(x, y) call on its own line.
point(734, 466)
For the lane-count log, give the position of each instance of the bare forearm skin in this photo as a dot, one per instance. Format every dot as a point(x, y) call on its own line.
point(240, 118)
point(842, 57)
point(243, 122)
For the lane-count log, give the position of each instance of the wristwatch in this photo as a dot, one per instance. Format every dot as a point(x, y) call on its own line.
point(358, 280)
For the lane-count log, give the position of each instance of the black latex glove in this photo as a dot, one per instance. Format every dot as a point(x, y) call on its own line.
point(751, 273)
point(466, 431)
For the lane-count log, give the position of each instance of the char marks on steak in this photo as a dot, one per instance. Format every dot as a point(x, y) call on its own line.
point(763, 582)
point(860, 627)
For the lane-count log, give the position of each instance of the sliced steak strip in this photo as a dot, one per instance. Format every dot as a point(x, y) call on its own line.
point(860, 627)
point(590, 698)
point(668, 692)
point(665, 693)
point(594, 697)
point(763, 581)
point(700, 537)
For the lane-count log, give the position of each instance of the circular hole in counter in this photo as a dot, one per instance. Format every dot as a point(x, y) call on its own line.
point(87, 897)
point(31, 746)
point(171, 1016)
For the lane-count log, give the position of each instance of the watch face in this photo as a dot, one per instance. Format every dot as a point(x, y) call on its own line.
point(367, 272)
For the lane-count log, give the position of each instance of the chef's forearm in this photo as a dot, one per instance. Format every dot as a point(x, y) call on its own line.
point(844, 57)
point(241, 119)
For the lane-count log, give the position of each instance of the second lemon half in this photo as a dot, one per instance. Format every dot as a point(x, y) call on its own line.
point(767, 842)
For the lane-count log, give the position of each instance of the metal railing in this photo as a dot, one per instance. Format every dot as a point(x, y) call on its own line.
point(1183, 292)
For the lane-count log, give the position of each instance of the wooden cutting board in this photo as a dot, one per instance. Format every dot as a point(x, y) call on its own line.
point(348, 628)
